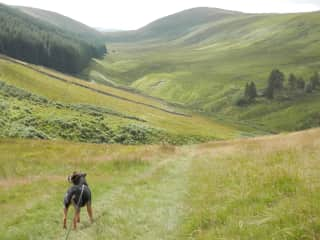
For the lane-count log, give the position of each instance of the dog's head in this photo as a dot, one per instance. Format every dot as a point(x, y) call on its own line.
point(75, 176)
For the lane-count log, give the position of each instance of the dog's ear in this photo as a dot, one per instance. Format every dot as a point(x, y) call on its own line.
point(82, 174)
point(69, 179)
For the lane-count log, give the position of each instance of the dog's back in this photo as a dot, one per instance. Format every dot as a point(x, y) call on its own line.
point(73, 196)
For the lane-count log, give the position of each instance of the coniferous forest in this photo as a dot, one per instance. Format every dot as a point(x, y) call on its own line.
point(28, 39)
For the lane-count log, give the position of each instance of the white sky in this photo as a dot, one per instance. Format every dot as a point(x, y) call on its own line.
point(132, 14)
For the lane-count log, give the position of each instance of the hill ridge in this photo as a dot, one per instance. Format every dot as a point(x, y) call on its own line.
point(56, 19)
point(173, 26)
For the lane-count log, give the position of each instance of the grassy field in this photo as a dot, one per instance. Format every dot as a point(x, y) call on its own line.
point(259, 188)
point(122, 108)
point(231, 187)
point(207, 68)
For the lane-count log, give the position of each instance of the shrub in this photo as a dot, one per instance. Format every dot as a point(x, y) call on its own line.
point(242, 101)
point(309, 87)
point(21, 131)
point(301, 83)
point(134, 134)
point(311, 121)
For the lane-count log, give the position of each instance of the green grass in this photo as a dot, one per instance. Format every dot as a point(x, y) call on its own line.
point(207, 68)
point(277, 115)
point(28, 115)
point(33, 178)
point(263, 188)
point(124, 107)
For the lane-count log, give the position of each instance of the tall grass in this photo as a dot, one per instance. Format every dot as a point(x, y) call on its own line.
point(259, 188)
point(265, 188)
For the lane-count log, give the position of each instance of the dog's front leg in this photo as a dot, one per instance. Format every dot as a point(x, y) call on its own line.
point(65, 214)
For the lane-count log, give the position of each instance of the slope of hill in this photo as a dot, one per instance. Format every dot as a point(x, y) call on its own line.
point(77, 28)
point(207, 67)
point(250, 189)
point(30, 35)
point(40, 103)
point(173, 26)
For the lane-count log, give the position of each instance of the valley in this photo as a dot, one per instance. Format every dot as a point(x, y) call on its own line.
point(206, 68)
point(161, 121)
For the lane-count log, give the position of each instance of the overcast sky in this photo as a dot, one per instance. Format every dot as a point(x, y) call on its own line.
point(132, 14)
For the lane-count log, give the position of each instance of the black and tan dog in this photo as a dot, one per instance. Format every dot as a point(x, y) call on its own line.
point(79, 195)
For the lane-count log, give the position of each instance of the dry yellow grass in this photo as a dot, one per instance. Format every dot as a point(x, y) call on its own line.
point(259, 188)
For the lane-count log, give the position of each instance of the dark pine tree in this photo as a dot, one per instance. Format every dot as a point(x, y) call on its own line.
point(275, 82)
point(300, 83)
point(292, 81)
point(315, 80)
point(28, 39)
point(250, 91)
point(309, 87)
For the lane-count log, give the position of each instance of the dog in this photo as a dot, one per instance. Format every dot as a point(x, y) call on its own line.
point(79, 195)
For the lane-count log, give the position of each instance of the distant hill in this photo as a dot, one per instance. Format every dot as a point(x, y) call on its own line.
point(204, 57)
point(175, 25)
point(184, 22)
point(67, 24)
point(48, 39)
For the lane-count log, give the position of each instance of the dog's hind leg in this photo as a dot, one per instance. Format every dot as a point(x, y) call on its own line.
point(76, 218)
point(89, 210)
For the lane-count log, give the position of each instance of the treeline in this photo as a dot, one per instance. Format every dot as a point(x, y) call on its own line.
point(277, 86)
point(26, 38)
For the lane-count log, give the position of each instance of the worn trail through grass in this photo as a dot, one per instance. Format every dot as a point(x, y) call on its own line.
point(147, 206)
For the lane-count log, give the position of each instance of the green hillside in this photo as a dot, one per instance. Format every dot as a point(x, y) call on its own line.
point(30, 35)
point(173, 26)
point(207, 66)
point(40, 103)
point(77, 28)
